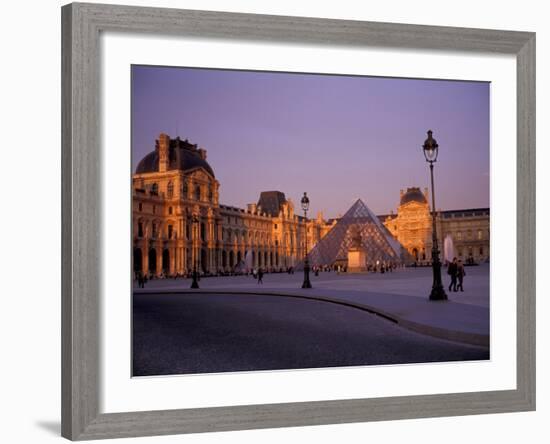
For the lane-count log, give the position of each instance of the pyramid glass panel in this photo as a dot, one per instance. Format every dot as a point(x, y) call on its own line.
point(376, 240)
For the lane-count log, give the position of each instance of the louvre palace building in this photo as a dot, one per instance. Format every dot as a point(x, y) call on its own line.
point(178, 222)
point(461, 233)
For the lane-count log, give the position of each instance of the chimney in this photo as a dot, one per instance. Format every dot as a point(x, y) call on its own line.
point(202, 153)
point(164, 152)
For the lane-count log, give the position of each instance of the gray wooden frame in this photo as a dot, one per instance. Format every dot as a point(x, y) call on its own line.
point(81, 167)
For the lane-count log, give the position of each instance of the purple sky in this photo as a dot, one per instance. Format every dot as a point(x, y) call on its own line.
point(336, 137)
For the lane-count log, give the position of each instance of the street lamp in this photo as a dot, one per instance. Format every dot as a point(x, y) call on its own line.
point(305, 207)
point(430, 149)
point(195, 283)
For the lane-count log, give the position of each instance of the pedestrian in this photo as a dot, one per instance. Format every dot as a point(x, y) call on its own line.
point(460, 273)
point(452, 270)
point(141, 280)
point(260, 276)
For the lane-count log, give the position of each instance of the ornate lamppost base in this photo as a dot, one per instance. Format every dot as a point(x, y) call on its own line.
point(307, 283)
point(438, 294)
point(195, 283)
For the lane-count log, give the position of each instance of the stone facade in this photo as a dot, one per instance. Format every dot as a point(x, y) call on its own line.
point(179, 224)
point(412, 226)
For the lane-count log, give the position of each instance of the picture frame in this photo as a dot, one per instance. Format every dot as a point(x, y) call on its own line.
point(81, 206)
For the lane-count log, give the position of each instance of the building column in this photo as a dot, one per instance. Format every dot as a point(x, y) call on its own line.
point(144, 257)
point(173, 252)
point(159, 251)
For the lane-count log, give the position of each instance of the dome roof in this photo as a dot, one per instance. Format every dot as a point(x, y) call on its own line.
point(413, 195)
point(182, 156)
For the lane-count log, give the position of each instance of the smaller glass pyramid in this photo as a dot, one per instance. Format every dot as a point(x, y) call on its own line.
point(376, 240)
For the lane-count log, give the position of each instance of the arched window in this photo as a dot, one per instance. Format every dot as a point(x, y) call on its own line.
point(155, 188)
point(184, 190)
point(198, 192)
point(170, 189)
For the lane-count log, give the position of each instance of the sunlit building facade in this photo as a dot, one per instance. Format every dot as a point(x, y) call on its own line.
point(179, 223)
point(467, 231)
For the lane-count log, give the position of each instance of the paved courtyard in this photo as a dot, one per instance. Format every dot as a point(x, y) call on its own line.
point(414, 282)
point(233, 323)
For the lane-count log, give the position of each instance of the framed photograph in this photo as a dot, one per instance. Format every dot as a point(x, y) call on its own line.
point(278, 221)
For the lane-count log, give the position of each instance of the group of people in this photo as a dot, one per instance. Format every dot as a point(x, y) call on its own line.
point(457, 272)
point(141, 279)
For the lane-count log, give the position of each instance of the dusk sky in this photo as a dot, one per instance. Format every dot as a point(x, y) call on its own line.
point(337, 137)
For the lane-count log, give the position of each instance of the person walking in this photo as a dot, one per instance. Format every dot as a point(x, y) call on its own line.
point(260, 276)
point(460, 273)
point(452, 270)
point(141, 280)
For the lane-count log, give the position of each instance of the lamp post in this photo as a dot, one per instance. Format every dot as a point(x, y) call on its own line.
point(430, 149)
point(195, 283)
point(305, 207)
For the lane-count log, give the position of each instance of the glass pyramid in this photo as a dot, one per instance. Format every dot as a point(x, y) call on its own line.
point(377, 241)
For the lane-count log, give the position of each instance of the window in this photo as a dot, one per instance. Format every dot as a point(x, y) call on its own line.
point(154, 209)
point(154, 188)
point(154, 231)
point(479, 234)
point(170, 231)
point(140, 206)
point(170, 189)
point(210, 195)
point(275, 226)
point(203, 231)
point(198, 192)
point(459, 236)
point(481, 251)
point(140, 229)
point(169, 210)
point(184, 190)
point(187, 231)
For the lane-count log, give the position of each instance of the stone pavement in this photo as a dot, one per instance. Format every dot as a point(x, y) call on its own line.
point(401, 296)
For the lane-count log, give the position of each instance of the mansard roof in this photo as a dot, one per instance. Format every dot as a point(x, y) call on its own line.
point(271, 202)
point(413, 194)
point(183, 155)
